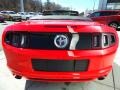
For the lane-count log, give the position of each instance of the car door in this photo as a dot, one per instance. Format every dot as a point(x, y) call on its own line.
point(114, 16)
point(100, 17)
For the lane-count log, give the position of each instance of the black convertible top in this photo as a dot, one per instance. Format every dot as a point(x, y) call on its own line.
point(60, 17)
point(61, 12)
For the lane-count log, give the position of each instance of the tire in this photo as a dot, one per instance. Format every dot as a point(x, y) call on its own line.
point(20, 20)
point(27, 18)
point(2, 21)
point(114, 25)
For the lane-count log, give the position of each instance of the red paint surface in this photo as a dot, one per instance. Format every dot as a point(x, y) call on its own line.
point(19, 59)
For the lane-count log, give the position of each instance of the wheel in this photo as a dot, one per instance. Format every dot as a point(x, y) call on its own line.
point(2, 21)
point(27, 18)
point(20, 20)
point(114, 25)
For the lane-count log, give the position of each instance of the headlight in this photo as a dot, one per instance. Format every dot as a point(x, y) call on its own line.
point(103, 40)
point(17, 39)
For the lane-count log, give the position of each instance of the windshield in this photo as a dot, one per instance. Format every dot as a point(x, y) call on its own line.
point(11, 12)
point(8, 12)
point(30, 13)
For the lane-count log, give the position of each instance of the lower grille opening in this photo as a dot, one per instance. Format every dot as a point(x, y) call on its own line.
point(60, 65)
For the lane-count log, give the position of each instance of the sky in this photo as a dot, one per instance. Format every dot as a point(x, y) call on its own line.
point(79, 5)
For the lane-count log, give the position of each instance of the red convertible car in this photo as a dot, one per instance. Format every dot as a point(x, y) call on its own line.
point(60, 49)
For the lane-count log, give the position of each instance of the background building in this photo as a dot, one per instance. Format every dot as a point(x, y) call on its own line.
point(109, 4)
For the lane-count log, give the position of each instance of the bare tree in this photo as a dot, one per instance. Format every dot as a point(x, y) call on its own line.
point(54, 6)
point(29, 5)
point(9, 5)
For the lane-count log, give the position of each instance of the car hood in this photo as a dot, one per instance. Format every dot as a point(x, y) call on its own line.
point(72, 26)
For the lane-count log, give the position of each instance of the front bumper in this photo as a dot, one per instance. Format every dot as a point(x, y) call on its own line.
point(100, 63)
point(64, 76)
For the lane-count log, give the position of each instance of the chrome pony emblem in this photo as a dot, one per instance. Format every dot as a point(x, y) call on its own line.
point(61, 41)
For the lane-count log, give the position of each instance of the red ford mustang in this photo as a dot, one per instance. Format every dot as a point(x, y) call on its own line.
point(60, 48)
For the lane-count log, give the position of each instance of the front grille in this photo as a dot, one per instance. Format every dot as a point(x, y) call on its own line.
point(60, 65)
point(85, 41)
point(46, 41)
